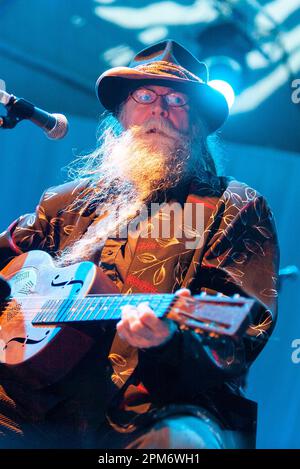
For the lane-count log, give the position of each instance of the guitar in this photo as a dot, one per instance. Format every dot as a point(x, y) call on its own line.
point(43, 323)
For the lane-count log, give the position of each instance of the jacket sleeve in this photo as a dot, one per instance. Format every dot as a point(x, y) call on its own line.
point(28, 232)
point(45, 228)
point(240, 256)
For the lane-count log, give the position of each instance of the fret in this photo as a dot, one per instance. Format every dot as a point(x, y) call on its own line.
point(140, 298)
point(132, 300)
point(216, 314)
point(81, 305)
point(65, 304)
point(106, 307)
point(97, 307)
point(41, 313)
point(81, 308)
point(81, 316)
point(102, 307)
point(72, 309)
point(44, 310)
point(91, 309)
point(155, 300)
point(164, 304)
point(116, 308)
point(159, 303)
point(92, 301)
point(53, 305)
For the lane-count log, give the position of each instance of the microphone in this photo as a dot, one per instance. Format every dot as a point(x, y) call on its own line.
point(54, 125)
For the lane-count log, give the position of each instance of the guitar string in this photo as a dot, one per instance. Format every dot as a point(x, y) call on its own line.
point(23, 300)
point(192, 299)
point(168, 309)
point(30, 311)
point(28, 316)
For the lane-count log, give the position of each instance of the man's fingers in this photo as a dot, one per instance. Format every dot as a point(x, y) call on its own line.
point(147, 316)
point(132, 323)
point(135, 333)
point(134, 339)
point(143, 314)
point(140, 327)
point(183, 292)
point(129, 316)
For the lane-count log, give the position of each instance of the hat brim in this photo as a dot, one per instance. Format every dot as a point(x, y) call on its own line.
point(113, 86)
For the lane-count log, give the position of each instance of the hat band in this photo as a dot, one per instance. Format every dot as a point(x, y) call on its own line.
point(169, 69)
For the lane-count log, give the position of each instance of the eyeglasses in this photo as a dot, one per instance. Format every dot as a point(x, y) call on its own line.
point(146, 96)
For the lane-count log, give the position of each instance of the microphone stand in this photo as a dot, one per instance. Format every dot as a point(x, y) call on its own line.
point(14, 114)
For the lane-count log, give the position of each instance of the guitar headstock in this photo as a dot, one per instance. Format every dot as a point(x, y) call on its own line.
point(213, 316)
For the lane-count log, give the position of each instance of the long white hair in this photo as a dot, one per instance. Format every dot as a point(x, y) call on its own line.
point(125, 172)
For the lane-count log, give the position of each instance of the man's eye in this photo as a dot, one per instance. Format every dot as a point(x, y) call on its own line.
point(176, 100)
point(146, 97)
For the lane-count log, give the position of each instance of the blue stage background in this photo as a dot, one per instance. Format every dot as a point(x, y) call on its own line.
point(30, 163)
point(51, 53)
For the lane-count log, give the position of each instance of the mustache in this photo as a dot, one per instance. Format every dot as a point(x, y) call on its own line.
point(160, 126)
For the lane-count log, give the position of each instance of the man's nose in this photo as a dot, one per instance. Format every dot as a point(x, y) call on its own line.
point(160, 107)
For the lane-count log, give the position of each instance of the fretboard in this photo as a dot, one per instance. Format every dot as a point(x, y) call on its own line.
point(98, 308)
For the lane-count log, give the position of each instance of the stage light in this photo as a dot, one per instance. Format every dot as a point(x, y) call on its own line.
point(224, 88)
point(227, 69)
point(223, 46)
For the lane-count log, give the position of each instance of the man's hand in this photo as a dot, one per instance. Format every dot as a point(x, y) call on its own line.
point(142, 329)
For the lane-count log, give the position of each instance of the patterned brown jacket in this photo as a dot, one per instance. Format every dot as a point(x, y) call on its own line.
point(238, 254)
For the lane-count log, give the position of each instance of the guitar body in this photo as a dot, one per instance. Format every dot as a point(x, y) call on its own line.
point(51, 320)
point(41, 355)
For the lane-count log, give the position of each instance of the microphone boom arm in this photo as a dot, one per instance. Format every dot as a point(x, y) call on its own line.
point(54, 125)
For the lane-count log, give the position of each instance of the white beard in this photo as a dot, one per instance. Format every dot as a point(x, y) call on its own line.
point(150, 157)
point(135, 166)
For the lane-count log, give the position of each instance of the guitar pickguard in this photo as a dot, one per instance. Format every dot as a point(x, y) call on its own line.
point(24, 283)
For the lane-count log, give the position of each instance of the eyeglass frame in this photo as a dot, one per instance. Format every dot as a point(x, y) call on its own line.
point(157, 95)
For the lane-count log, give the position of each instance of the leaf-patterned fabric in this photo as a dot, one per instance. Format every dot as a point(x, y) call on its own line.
point(237, 252)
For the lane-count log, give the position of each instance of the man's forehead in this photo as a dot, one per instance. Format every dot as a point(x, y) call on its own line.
point(161, 89)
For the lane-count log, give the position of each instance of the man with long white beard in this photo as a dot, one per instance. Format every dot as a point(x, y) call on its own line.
point(146, 383)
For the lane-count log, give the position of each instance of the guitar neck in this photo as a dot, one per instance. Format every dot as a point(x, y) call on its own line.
point(209, 314)
point(98, 308)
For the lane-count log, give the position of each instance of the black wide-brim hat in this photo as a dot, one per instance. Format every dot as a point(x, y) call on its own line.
point(166, 63)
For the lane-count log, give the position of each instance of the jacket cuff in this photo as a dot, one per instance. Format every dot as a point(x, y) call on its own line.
point(169, 352)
